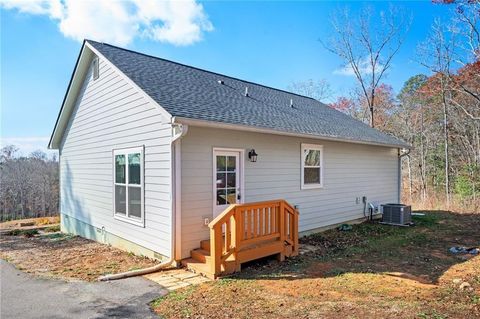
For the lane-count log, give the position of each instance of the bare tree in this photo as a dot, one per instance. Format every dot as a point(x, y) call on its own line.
point(466, 27)
point(436, 54)
point(319, 90)
point(29, 185)
point(367, 48)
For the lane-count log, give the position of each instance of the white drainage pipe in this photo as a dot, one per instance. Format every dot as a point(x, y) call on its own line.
point(140, 272)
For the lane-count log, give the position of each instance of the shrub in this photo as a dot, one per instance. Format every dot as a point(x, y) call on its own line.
point(52, 229)
point(30, 233)
point(14, 232)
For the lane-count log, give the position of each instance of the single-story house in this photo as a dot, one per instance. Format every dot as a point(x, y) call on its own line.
point(152, 152)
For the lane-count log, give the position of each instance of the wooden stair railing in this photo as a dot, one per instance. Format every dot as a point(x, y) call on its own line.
point(245, 232)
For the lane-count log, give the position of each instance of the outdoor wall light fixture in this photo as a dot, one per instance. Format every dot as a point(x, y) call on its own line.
point(252, 156)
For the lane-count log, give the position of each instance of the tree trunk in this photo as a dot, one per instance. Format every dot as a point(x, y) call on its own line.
point(423, 161)
point(410, 177)
point(445, 141)
point(371, 106)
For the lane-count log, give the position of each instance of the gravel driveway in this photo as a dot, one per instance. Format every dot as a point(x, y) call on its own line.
point(25, 296)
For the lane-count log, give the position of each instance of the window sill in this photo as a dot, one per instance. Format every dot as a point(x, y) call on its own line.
point(136, 222)
point(312, 186)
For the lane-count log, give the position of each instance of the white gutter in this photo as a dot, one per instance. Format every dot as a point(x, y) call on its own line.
point(176, 208)
point(176, 166)
point(247, 128)
point(399, 170)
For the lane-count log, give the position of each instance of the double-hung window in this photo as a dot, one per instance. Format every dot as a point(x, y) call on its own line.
point(312, 166)
point(128, 184)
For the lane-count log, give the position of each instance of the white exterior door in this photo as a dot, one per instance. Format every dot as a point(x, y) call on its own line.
point(227, 179)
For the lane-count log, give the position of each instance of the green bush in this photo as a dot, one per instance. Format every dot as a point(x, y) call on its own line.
point(14, 232)
point(468, 181)
point(52, 229)
point(30, 233)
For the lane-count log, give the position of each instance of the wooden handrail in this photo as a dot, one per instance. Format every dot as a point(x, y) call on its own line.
point(247, 226)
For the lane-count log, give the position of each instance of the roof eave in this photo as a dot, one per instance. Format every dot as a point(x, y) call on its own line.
point(76, 83)
point(54, 138)
point(248, 128)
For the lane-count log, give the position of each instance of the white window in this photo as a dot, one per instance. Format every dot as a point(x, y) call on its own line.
point(96, 68)
point(312, 166)
point(128, 185)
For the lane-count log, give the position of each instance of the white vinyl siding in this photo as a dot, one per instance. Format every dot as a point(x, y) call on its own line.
point(349, 171)
point(111, 114)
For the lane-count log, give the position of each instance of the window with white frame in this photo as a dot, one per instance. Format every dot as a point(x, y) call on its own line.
point(128, 184)
point(312, 166)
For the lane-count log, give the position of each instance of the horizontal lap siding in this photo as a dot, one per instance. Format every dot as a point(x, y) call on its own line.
point(350, 171)
point(111, 114)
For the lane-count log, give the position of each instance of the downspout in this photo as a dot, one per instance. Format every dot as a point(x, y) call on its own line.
point(178, 131)
point(400, 155)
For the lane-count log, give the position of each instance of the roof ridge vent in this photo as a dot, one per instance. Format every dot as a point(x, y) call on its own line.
point(246, 91)
point(220, 82)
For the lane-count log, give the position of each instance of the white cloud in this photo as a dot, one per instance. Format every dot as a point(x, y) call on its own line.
point(183, 21)
point(27, 145)
point(179, 22)
point(364, 66)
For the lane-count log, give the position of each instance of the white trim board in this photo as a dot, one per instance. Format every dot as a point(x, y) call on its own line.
point(247, 128)
point(87, 52)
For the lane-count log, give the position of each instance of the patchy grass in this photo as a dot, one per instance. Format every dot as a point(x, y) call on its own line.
point(373, 271)
point(22, 232)
point(67, 256)
point(52, 229)
point(30, 233)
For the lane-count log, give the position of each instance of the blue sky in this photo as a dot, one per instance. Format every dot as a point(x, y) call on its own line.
point(273, 43)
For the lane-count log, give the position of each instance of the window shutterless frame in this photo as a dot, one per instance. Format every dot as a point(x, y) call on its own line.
point(130, 186)
point(313, 147)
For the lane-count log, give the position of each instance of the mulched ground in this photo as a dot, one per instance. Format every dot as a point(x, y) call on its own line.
point(67, 257)
point(373, 271)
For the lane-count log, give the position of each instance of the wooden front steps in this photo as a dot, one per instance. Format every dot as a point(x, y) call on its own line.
point(200, 261)
point(243, 233)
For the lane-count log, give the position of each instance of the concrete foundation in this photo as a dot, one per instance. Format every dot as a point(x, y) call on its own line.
point(74, 226)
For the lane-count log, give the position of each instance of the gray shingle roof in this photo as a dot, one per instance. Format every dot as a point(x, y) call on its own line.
point(192, 93)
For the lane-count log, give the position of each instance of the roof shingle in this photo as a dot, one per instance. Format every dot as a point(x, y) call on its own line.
point(192, 93)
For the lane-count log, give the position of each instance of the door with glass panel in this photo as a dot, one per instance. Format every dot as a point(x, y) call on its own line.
point(226, 179)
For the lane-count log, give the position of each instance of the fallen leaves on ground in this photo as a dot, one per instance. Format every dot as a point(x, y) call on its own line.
point(67, 256)
point(373, 271)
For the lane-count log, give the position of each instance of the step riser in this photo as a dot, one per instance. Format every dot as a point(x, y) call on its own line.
point(201, 261)
point(198, 268)
point(205, 245)
point(199, 256)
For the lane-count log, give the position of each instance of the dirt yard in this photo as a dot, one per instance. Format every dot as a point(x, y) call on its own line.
point(29, 223)
point(68, 257)
point(373, 271)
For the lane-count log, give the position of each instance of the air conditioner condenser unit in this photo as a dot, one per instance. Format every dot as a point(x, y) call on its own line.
point(397, 214)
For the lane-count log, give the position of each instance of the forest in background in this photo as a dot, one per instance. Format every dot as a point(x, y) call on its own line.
point(28, 184)
point(437, 112)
